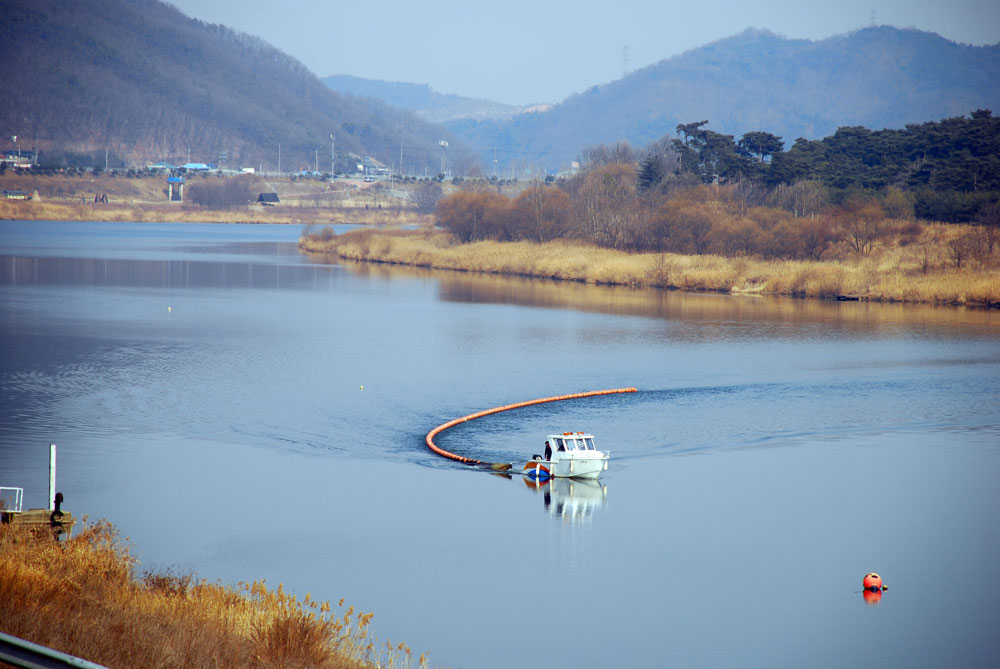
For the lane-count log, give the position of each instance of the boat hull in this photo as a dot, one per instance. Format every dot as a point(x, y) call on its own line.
point(589, 468)
point(580, 468)
point(537, 469)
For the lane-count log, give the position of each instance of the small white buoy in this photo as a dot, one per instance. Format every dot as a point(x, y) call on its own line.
point(362, 387)
point(170, 308)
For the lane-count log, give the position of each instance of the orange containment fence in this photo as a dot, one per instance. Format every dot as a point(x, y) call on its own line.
point(470, 461)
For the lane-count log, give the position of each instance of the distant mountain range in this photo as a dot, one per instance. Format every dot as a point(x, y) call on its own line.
point(427, 103)
point(880, 77)
point(140, 80)
point(144, 82)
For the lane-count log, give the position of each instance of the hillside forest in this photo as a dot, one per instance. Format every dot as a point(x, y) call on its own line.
point(704, 192)
point(125, 83)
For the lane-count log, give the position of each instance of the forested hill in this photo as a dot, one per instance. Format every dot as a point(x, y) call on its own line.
point(144, 81)
point(879, 77)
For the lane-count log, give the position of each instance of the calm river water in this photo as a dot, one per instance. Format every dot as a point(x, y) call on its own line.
point(242, 411)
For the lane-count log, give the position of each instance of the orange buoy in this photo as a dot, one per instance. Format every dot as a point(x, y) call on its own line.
point(873, 581)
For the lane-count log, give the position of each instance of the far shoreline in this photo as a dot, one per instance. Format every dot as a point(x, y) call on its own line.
point(890, 276)
point(183, 213)
point(876, 279)
point(143, 198)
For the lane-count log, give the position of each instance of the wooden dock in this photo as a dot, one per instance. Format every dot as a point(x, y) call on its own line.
point(40, 519)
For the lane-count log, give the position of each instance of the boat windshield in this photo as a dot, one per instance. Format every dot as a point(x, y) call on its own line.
point(575, 443)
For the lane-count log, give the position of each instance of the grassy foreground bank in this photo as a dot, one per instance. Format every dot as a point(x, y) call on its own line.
point(920, 272)
point(81, 597)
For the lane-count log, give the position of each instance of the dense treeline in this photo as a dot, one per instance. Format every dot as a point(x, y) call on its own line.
point(950, 168)
point(703, 192)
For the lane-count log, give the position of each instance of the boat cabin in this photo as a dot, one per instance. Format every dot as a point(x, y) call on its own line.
point(571, 441)
point(571, 454)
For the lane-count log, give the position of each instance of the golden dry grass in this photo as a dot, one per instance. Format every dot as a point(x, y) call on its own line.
point(184, 213)
point(80, 597)
point(918, 272)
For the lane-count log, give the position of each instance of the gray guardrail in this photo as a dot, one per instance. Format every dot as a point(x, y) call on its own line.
point(21, 653)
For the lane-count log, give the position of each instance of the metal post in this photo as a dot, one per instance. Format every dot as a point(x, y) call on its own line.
point(444, 145)
point(52, 477)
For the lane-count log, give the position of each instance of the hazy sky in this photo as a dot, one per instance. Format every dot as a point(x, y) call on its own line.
point(521, 51)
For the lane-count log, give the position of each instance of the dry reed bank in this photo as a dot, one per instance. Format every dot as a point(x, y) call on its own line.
point(923, 271)
point(176, 213)
point(81, 597)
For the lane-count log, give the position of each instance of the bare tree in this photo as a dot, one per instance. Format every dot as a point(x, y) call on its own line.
point(862, 223)
point(607, 205)
point(225, 193)
point(426, 197)
point(898, 204)
point(542, 212)
point(602, 154)
point(803, 198)
point(962, 247)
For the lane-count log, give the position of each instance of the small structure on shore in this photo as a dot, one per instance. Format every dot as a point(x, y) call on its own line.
point(161, 166)
point(60, 522)
point(17, 195)
point(268, 199)
point(175, 181)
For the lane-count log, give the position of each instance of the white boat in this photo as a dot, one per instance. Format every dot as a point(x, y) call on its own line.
point(569, 455)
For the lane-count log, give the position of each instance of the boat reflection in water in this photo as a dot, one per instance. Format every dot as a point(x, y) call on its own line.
point(571, 500)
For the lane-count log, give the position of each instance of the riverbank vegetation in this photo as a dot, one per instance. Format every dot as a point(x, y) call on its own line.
point(844, 217)
point(81, 596)
point(921, 273)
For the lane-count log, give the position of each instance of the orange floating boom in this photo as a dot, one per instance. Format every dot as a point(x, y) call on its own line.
point(470, 461)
